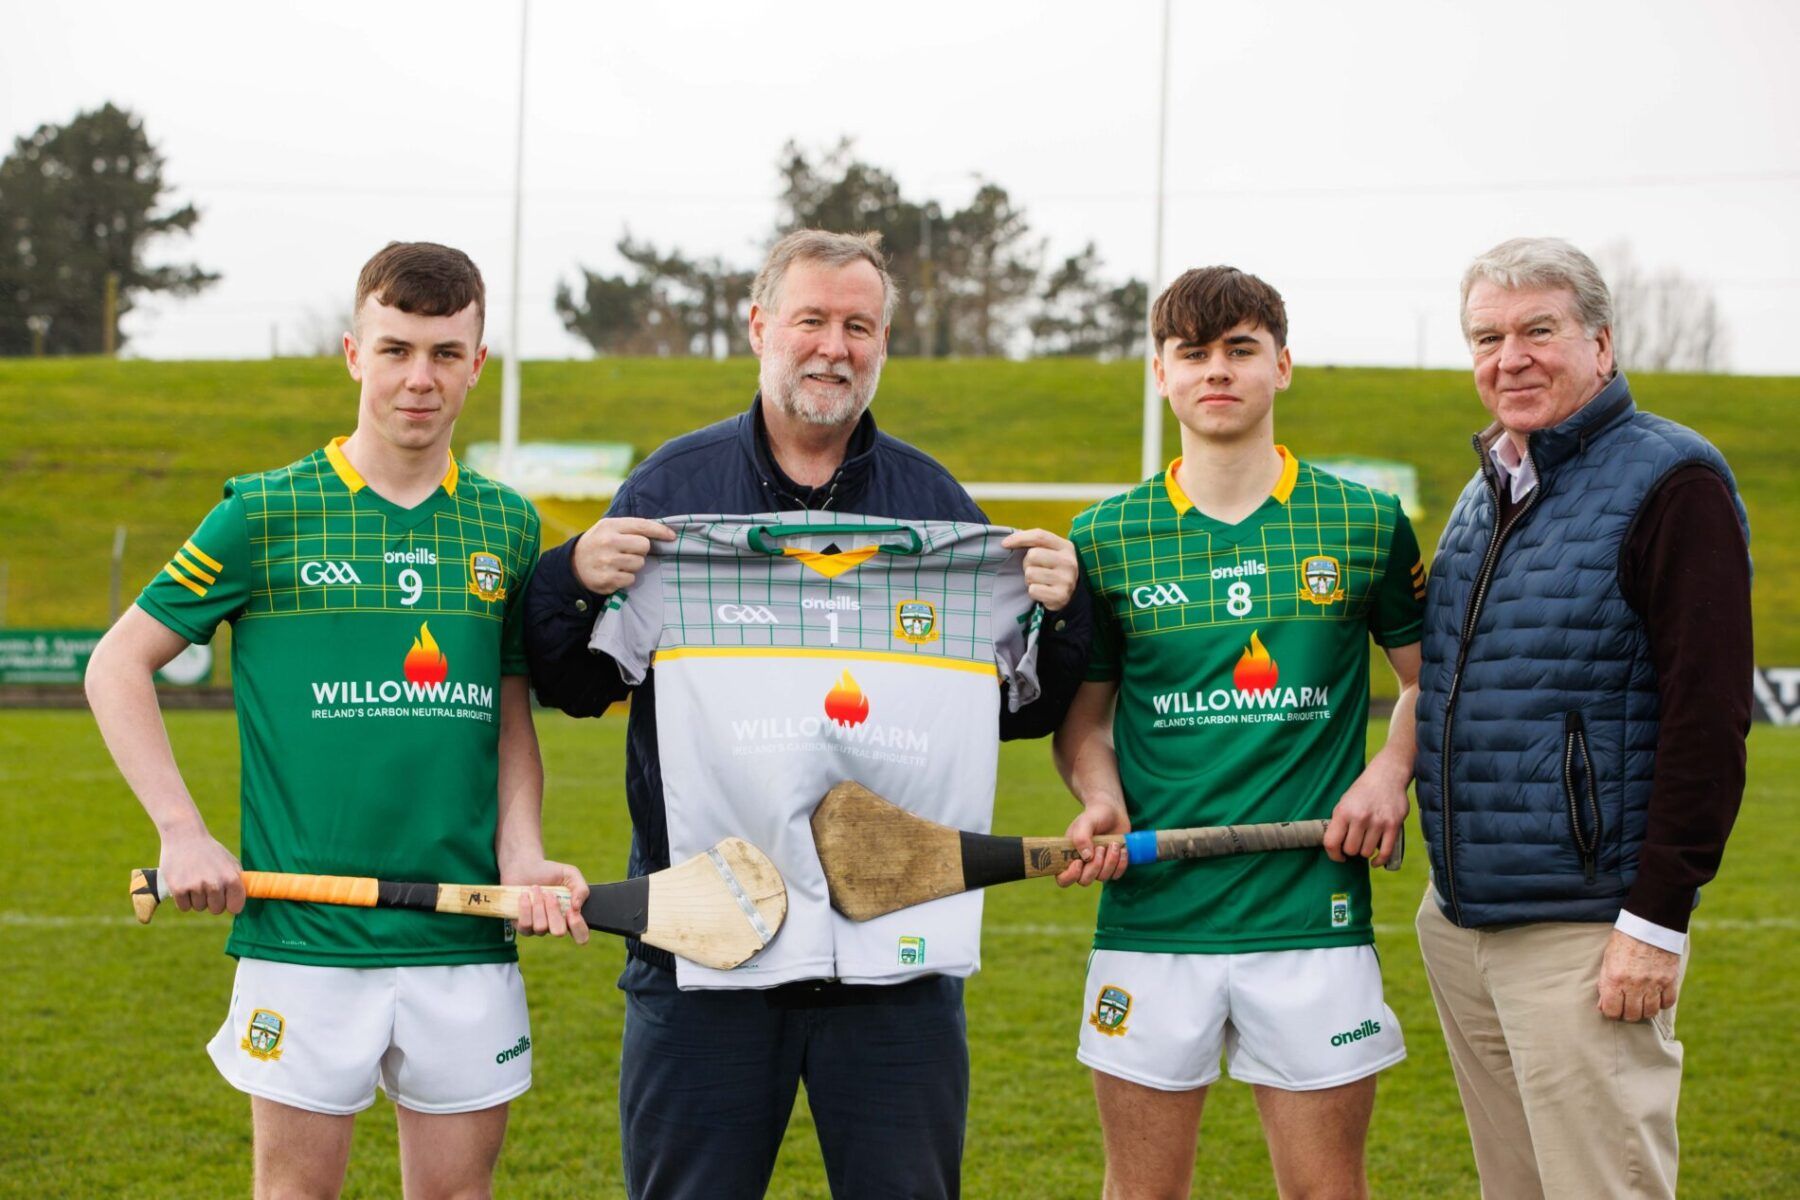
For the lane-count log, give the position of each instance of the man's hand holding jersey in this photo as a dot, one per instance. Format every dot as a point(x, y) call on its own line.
point(612, 552)
point(1051, 568)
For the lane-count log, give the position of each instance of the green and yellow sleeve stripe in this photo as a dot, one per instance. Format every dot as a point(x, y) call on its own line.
point(194, 569)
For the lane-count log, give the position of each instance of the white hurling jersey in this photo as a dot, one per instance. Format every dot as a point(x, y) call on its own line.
point(797, 650)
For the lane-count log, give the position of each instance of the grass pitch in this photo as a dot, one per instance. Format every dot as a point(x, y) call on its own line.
point(109, 1091)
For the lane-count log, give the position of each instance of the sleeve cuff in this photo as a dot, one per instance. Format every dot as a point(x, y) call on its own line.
point(571, 592)
point(173, 623)
point(1650, 934)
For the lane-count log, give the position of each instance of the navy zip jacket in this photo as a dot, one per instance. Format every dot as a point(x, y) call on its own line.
point(727, 468)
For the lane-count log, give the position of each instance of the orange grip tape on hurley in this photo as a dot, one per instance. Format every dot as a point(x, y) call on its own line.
point(321, 889)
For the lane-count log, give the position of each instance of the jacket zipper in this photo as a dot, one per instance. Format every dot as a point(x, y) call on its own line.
point(1575, 734)
point(1490, 561)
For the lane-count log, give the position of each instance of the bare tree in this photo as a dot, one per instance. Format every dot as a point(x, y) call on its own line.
point(321, 331)
point(1663, 320)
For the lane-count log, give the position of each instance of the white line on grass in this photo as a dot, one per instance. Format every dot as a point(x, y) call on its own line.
point(63, 921)
point(1700, 924)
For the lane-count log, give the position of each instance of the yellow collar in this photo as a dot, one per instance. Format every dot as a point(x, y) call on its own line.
point(1284, 487)
point(334, 451)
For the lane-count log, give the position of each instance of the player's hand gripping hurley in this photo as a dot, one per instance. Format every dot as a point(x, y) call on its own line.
point(879, 858)
point(716, 909)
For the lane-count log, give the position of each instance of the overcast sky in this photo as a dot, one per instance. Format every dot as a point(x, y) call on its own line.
point(1355, 154)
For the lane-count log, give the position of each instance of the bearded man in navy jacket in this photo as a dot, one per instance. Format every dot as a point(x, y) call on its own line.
point(707, 1079)
point(1583, 706)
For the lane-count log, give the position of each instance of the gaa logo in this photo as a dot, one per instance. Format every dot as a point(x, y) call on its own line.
point(314, 573)
point(1156, 597)
point(746, 614)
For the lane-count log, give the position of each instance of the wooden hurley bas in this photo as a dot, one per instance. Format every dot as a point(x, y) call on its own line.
point(716, 909)
point(879, 858)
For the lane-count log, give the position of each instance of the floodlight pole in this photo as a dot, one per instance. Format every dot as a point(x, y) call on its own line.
point(1153, 405)
point(509, 366)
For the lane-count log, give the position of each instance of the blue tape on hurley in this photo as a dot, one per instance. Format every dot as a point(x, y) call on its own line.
point(1140, 846)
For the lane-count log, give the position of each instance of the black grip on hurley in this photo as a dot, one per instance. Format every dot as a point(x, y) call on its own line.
point(622, 907)
point(987, 859)
point(406, 895)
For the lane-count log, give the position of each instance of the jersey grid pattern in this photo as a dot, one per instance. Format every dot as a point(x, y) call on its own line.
point(951, 581)
point(1137, 539)
point(304, 513)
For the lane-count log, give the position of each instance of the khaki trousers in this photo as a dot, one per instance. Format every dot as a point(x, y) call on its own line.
point(1562, 1103)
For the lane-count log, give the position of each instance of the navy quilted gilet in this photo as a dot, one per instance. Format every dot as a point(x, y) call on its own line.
point(1538, 705)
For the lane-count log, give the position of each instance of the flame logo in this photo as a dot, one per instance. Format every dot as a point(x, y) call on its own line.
point(425, 663)
point(846, 703)
point(1256, 670)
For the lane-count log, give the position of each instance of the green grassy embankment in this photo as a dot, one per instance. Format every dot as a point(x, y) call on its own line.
point(92, 444)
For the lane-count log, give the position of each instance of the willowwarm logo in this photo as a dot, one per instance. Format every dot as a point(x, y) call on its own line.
point(1256, 670)
point(845, 703)
point(424, 690)
point(425, 662)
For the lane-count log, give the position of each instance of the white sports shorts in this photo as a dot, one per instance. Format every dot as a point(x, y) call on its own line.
point(437, 1039)
point(1298, 1020)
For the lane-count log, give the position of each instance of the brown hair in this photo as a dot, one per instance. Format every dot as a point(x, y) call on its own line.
point(422, 278)
point(1207, 302)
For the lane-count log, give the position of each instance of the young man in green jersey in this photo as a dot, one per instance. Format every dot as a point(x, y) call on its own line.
point(1235, 595)
point(375, 591)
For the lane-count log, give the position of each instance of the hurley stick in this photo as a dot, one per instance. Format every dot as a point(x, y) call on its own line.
point(716, 909)
point(879, 858)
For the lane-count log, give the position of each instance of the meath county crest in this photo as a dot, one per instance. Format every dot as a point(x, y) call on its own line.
point(1110, 1011)
point(916, 621)
point(264, 1039)
point(486, 575)
point(1323, 577)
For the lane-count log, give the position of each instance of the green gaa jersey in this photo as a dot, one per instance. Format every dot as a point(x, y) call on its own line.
point(367, 650)
point(1242, 658)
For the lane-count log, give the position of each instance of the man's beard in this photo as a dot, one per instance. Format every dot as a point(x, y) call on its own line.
point(784, 386)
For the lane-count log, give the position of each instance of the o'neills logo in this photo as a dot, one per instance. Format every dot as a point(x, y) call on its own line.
point(846, 703)
point(425, 689)
point(840, 725)
point(1367, 1029)
point(1254, 697)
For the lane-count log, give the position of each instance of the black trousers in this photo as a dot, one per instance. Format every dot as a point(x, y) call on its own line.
point(707, 1082)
